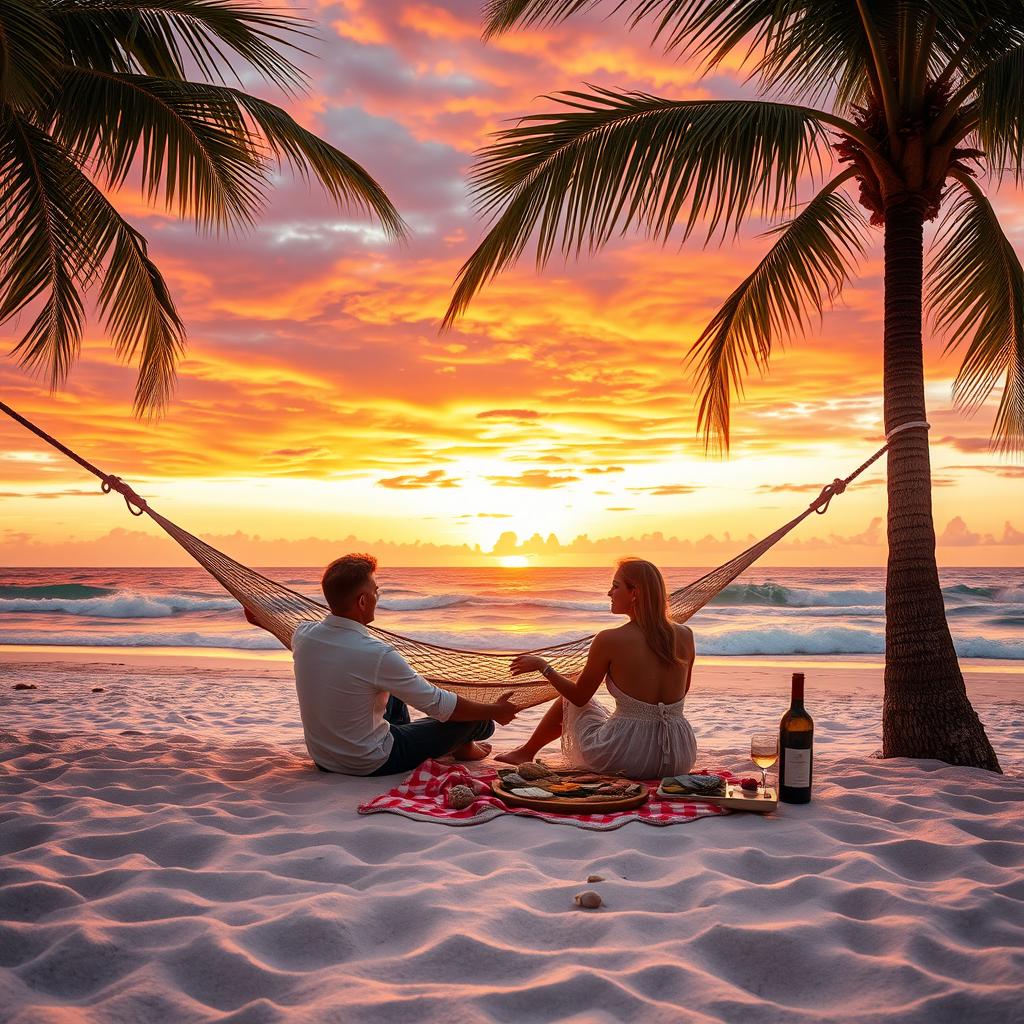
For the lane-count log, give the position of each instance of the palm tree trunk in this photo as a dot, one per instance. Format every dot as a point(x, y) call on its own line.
point(926, 712)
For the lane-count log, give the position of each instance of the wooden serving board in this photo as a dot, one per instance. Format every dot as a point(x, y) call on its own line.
point(560, 805)
point(736, 799)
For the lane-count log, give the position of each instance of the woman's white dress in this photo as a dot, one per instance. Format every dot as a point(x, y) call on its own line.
point(638, 739)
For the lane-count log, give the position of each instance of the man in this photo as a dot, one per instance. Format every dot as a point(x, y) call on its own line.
point(353, 689)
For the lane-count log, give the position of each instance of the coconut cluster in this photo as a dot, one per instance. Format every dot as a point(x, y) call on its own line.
point(460, 797)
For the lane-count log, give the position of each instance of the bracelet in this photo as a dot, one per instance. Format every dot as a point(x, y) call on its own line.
point(546, 670)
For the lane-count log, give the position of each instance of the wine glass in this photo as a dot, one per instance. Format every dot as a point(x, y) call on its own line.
point(764, 752)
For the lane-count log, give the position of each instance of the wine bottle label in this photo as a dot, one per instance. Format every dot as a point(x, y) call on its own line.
point(798, 767)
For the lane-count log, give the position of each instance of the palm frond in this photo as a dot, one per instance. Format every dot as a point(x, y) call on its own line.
point(806, 47)
point(502, 15)
point(980, 33)
point(348, 182)
point(196, 148)
point(976, 295)
point(31, 51)
point(168, 38)
point(45, 249)
point(61, 235)
point(814, 47)
point(999, 110)
point(611, 161)
point(804, 270)
point(140, 315)
point(809, 48)
point(136, 303)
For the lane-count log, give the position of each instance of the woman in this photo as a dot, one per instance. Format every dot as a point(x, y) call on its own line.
point(647, 664)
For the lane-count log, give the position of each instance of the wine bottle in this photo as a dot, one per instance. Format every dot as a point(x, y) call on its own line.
point(796, 748)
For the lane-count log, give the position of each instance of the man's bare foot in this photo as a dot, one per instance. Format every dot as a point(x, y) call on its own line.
point(516, 756)
point(471, 751)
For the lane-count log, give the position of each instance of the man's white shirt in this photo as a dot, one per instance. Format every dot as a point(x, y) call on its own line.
point(343, 677)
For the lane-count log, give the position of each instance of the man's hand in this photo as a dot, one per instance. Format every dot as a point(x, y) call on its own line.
point(503, 710)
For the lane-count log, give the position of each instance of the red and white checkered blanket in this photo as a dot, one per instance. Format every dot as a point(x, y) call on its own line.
point(422, 796)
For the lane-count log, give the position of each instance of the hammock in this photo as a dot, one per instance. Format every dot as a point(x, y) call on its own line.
point(477, 675)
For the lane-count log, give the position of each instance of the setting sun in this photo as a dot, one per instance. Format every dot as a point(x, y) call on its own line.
point(514, 562)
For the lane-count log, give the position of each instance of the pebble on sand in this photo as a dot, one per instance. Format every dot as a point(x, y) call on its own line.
point(588, 899)
point(24, 686)
point(98, 689)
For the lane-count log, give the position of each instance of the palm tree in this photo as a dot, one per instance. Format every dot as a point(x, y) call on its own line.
point(920, 93)
point(92, 90)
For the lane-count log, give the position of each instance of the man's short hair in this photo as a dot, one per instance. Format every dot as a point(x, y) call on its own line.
point(343, 578)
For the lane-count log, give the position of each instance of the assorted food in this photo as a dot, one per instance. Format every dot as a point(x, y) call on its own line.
point(694, 785)
point(728, 793)
point(533, 770)
point(538, 782)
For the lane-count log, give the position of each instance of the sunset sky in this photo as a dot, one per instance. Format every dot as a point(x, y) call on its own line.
point(319, 409)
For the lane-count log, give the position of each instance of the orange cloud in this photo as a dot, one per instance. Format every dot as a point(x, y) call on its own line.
point(539, 478)
point(508, 414)
point(435, 478)
point(315, 375)
point(664, 490)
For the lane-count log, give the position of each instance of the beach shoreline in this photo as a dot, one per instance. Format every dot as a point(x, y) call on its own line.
point(986, 679)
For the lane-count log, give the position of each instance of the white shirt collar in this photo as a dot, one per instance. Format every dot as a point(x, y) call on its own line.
point(340, 622)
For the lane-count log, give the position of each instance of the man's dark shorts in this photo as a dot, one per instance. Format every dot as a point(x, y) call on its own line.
point(416, 742)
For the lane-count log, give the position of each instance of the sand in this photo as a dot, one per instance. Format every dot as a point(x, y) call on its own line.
point(167, 854)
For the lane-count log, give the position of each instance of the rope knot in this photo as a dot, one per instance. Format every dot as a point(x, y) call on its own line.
point(136, 505)
point(828, 492)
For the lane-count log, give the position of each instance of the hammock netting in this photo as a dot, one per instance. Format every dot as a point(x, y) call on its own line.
point(478, 675)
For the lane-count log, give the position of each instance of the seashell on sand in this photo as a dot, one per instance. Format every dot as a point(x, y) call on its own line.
point(595, 878)
point(459, 797)
point(588, 899)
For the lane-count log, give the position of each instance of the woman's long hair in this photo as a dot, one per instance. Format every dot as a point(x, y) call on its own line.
point(651, 608)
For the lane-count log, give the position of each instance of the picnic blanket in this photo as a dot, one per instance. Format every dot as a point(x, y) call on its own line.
point(422, 797)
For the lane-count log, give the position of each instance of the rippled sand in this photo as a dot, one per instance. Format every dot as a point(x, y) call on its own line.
point(169, 855)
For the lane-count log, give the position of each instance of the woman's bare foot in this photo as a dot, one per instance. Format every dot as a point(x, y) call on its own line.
point(471, 751)
point(516, 756)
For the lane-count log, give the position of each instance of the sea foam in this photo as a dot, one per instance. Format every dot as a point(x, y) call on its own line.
point(255, 640)
point(120, 605)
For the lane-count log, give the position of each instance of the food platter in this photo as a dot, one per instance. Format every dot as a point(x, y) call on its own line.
point(562, 805)
point(568, 792)
point(735, 798)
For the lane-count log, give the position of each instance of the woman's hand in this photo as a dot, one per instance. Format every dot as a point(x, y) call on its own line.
point(527, 663)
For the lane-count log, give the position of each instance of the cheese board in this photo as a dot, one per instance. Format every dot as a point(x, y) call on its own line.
point(734, 797)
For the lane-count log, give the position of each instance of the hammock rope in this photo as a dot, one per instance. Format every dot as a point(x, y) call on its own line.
point(478, 675)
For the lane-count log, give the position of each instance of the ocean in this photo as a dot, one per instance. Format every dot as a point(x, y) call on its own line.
point(767, 612)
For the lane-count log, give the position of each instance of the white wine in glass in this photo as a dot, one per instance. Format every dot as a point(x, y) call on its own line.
point(764, 752)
